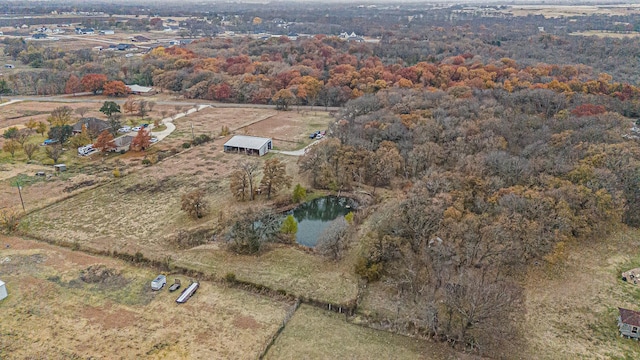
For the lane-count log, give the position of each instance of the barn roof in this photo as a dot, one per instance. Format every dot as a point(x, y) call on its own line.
point(139, 89)
point(629, 317)
point(247, 142)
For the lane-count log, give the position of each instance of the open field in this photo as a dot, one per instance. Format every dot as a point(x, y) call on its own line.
point(54, 312)
point(604, 34)
point(572, 309)
point(289, 129)
point(141, 212)
point(317, 334)
point(554, 11)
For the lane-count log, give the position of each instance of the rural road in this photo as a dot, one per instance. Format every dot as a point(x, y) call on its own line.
point(169, 122)
point(296, 152)
point(71, 99)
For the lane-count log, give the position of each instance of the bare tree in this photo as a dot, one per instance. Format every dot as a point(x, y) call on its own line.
point(250, 168)
point(29, 150)
point(54, 152)
point(332, 243)
point(82, 111)
point(194, 204)
point(275, 176)
point(239, 184)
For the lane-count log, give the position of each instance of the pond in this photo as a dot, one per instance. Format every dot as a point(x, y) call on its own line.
point(314, 216)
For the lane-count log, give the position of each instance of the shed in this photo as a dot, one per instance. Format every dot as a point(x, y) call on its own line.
point(3, 290)
point(140, 90)
point(249, 145)
point(629, 323)
point(60, 167)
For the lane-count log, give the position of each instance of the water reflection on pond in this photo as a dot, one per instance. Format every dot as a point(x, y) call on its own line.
point(314, 216)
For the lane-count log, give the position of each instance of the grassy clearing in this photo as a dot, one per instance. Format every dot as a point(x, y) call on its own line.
point(317, 334)
point(572, 309)
point(51, 313)
point(141, 212)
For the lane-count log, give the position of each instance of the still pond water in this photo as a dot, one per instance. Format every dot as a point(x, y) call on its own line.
point(314, 216)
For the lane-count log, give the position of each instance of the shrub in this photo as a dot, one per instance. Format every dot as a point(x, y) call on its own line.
point(116, 173)
point(299, 193)
point(186, 145)
point(368, 270)
point(146, 161)
point(201, 139)
point(230, 277)
point(9, 221)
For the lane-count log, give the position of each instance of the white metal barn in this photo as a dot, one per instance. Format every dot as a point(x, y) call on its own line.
point(249, 145)
point(3, 290)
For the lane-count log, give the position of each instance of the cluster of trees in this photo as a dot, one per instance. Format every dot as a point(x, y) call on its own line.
point(493, 181)
point(244, 184)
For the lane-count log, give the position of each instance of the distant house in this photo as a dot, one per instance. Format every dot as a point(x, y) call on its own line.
point(249, 145)
point(106, 32)
point(123, 47)
point(140, 90)
point(60, 167)
point(85, 31)
point(140, 38)
point(123, 143)
point(629, 323)
point(94, 125)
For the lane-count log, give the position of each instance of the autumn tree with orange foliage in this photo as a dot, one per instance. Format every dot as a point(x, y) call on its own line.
point(73, 85)
point(142, 141)
point(105, 142)
point(93, 82)
point(115, 88)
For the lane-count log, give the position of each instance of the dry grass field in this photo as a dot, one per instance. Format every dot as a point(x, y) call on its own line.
point(317, 334)
point(554, 11)
point(141, 212)
point(572, 309)
point(603, 34)
point(55, 312)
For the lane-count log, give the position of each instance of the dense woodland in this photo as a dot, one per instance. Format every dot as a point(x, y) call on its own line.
point(505, 145)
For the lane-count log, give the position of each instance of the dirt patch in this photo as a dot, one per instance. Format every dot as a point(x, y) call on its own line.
point(108, 317)
point(79, 185)
point(20, 264)
point(246, 322)
point(100, 274)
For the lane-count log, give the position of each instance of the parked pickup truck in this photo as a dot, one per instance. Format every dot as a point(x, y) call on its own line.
point(175, 286)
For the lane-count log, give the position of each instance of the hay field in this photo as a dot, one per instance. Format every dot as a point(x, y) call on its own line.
point(313, 333)
point(53, 312)
point(572, 309)
point(141, 212)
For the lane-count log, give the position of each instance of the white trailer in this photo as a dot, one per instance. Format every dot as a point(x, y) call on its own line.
point(3, 290)
point(187, 293)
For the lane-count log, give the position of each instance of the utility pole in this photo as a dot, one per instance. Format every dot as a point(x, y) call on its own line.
point(193, 137)
point(20, 193)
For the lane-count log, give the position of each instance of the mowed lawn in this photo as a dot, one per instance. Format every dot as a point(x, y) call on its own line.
point(54, 313)
point(313, 333)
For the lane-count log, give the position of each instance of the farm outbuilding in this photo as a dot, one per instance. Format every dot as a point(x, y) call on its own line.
point(3, 290)
point(249, 145)
point(629, 323)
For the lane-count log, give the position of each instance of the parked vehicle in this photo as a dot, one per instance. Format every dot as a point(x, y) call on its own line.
point(153, 140)
point(145, 125)
point(124, 129)
point(50, 142)
point(137, 128)
point(159, 282)
point(175, 286)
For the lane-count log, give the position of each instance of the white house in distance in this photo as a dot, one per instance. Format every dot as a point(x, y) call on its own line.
point(249, 145)
point(3, 290)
